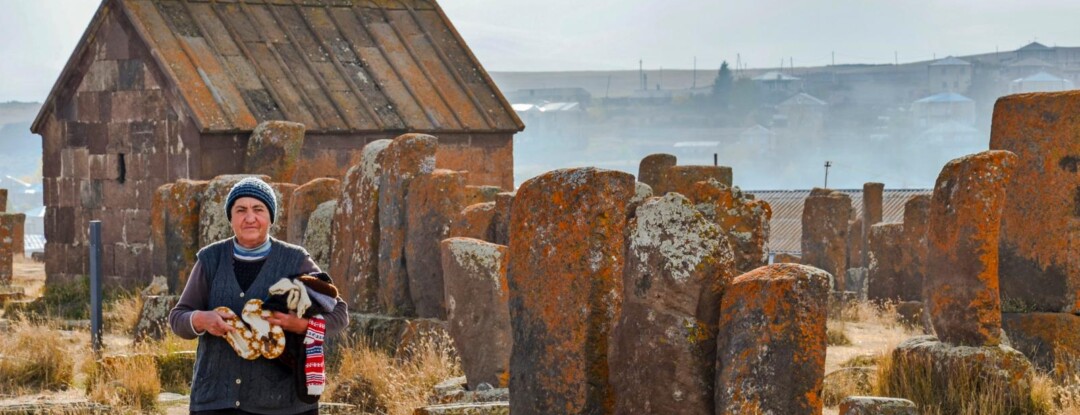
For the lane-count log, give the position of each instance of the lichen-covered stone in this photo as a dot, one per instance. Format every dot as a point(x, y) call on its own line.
point(1040, 226)
point(274, 150)
point(10, 223)
point(390, 334)
point(174, 226)
point(354, 234)
point(652, 168)
point(642, 191)
point(477, 311)
point(681, 179)
point(916, 251)
point(503, 203)
point(317, 238)
point(742, 219)
point(3, 200)
point(677, 265)
point(480, 194)
point(478, 408)
point(305, 199)
point(433, 203)
point(476, 221)
point(965, 217)
point(1050, 340)
point(567, 241)
point(855, 245)
point(824, 233)
point(407, 157)
point(771, 341)
point(154, 317)
point(284, 193)
point(213, 223)
point(885, 277)
point(874, 405)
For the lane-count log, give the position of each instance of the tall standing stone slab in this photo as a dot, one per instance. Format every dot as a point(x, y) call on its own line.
point(677, 265)
point(175, 230)
point(213, 223)
point(652, 167)
point(886, 277)
point(8, 223)
point(771, 341)
point(477, 311)
point(824, 233)
point(305, 199)
point(3, 200)
point(566, 263)
point(283, 192)
point(476, 221)
point(855, 245)
point(681, 179)
point(1040, 226)
point(503, 202)
point(965, 218)
point(408, 156)
point(480, 194)
point(274, 150)
point(744, 220)
point(317, 238)
point(433, 204)
point(871, 214)
point(354, 261)
point(916, 250)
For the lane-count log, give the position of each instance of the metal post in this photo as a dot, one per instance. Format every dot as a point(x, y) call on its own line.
point(827, 165)
point(715, 159)
point(95, 285)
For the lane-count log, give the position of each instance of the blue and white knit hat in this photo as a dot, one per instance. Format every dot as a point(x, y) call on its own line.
point(252, 187)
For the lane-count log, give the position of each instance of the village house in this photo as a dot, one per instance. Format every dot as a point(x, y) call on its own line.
point(163, 90)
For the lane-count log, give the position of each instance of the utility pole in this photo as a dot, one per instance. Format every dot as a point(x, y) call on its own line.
point(641, 73)
point(834, 58)
point(694, 83)
point(827, 165)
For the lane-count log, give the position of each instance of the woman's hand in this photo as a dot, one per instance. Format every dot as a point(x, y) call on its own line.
point(212, 322)
point(289, 322)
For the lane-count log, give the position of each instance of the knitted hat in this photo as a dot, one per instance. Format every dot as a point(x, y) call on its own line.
point(252, 187)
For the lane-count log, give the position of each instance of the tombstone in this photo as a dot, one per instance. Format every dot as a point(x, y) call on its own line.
point(477, 312)
point(871, 214)
point(503, 203)
point(681, 179)
point(354, 232)
point(213, 222)
point(175, 230)
point(1040, 225)
point(824, 233)
point(566, 240)
point(1050, 340)
point(855, 244)
point(274, 150)
point(885, 275)
point(432, 204)
point(652, 167)
point(305, 199)
point(154, 317)
point(476, 221)
point(915, 250)
point(3, 200)
point(965, 214)
point(9, 222)
point(408, 156)
point(480, 194)
point(283, 192)
point(677, 265)
point(874, 405)
point(771, 341)
point(744, 220)
point(317, 239)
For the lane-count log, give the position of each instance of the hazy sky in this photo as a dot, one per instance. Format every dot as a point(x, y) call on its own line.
point(37, 36)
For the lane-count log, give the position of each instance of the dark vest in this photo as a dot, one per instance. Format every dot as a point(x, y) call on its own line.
point(222, 378)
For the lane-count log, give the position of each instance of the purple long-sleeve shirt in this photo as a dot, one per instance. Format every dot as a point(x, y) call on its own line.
point(197, 293)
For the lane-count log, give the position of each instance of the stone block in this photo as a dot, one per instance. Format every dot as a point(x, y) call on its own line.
point(771, 341)
point(885, 277)
point(653, 166)
point(503, 202)
point(305, 199)
point(480, 194)
point(480, 408)
point(1050, 340)
point(873, 405)
point(915, 251)
point(284, 193)
point(744, 220)
point(175, 230)
point(1038, 263)
point(154, 317)
point(408, 156)
point(824, 233)
point(677, 265)
point(855, 244)
point(477, 311)
point(871, 214)
point(8, 224)
point(567, 238)
point(3, 200)
point(137, 225)
point(681, 179)
point(355, 232)
point(432, 204)
point(965, 216)
point(213, 222)
point(317, 238)
point(476, 221)
point(274, 150)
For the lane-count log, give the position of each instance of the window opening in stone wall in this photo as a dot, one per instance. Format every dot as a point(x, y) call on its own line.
point(121, 168)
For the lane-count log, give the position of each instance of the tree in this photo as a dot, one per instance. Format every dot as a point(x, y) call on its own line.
point(722, 87)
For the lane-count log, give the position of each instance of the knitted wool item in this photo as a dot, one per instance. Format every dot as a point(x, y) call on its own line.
point(313, 365)
point(252, 187)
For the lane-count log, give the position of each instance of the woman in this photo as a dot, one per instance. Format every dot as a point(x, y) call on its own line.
point(228, 273)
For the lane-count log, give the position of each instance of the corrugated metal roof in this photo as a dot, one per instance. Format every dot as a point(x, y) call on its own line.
point(34, 243)
point(802, 98)
point(333, 65)
point(950, 61)
point(945, 97)
point(785, 227)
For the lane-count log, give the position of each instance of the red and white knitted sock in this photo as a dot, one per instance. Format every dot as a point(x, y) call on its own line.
point(313, 351)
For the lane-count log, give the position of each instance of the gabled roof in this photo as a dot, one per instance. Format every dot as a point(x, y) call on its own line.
point(803, 98)
point(1039, 77)
point(950, 61)
point(945, 97)
point(1033, 46)
point(785, 227)
point(775, 76)
point(333, 65)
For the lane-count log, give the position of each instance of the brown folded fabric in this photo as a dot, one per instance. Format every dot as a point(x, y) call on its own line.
point(319, 286)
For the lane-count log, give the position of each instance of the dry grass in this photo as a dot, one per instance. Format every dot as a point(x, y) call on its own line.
point(122, 314)
point(127, 381)
point(378, 383)
point(34, 357)
point(834, 334)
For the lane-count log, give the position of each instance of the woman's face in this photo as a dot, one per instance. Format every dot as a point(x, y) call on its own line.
point(250, 222)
